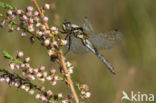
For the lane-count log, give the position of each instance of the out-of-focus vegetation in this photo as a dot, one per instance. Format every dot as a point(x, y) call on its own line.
point(134, 57)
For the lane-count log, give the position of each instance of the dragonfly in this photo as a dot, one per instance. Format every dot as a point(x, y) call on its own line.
point(84, 39)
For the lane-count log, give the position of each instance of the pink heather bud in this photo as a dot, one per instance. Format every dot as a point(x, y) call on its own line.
point(17, 66)
point(53, 71)
point(68, 64)
point(42, 79)
point(42, 68)
point(37, 96)
point(30, 8)
point(18, 28)
point(20, 54)
point(2, 79)
point(31, 28)
point(22, 65)
point(53, 44)
point(45, 19)
point(43, 98)
point(43, 27)
point(12, 66)
point(47, 42)
point(17, 84)
point(45, 74)
point(24, 17)
point(70, 70)
point(53, 28)
point(56, 32)
point(42, 88)
point(2, 24)
point(38, 74)
point(11, 29)
point(51, 52)
point(83, 92)
point(36, 70)
point(85, 87)
point(49, 92)
point(7, 79)
point(23, 73)
point(46, 7)
point(60, 95)
point(31, 77)
point(30, 70)
point(9, 12)
point(36, 13)
point(29, 13)
point(47, 31)
point(38, 24)
point(65, 101)
point(18, 11)
point(36, 19)
point(27, 65)
point(31, 20)
point(49, 78)
point(27, 89)
point(53, 83)
point(23, 34)
point(40, 33)
point(63, 42)
point(23, 86)
point(31, 92)
point(27, 59)
point(67, 74)
point(88, 94)
point(55, 77)
point(13, 16)
point(12, 83)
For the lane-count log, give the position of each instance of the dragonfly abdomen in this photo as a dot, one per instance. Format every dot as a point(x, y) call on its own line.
point(109, 66)
point(91, 47)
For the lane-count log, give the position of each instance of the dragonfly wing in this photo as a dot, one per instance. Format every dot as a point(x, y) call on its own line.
point(87, 26)
point(105, 40)
point(76, 46)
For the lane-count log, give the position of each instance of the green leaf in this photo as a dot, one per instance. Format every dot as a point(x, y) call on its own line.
point(3, 70)
point(52, 101)
point(6, 6)
point(8, 56)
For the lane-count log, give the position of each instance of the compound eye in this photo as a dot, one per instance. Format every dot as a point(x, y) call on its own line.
point(66, 22)
point(68, 25)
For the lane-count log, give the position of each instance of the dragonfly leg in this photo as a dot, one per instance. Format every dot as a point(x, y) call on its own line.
point(69, 44)
point(67, 37)
point(63, 32)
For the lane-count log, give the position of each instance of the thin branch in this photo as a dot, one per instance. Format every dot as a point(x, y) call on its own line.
point(61, 58)
point(40, 12)
point(18, 25)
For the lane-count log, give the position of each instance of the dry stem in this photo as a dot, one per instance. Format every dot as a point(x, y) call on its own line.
point(62, 60)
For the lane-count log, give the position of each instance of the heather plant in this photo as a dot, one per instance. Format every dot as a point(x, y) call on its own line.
point(32, 22)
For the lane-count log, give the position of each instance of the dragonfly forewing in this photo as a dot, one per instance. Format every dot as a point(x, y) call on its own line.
point(105, 40)
point(87, 26)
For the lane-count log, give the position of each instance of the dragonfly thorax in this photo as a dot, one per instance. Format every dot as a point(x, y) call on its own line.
point(74, 29)
point(74, 26)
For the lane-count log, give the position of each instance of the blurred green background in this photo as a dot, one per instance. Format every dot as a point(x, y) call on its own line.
point(134, 57)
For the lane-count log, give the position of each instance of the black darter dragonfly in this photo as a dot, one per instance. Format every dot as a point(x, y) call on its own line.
point(79, 40)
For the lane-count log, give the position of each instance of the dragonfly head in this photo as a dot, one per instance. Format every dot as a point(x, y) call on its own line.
point(66, 26)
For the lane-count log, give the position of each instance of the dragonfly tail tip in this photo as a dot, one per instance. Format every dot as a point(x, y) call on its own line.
point(114, 73)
